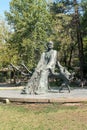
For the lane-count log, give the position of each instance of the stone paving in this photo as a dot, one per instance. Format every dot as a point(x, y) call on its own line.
point(14, 94)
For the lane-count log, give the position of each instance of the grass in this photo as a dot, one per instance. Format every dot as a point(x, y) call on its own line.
point(43, 117)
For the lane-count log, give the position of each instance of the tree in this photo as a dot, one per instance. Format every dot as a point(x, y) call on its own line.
point(79, 39)
point(4, 35)
point(84, 31)
point(84, 17)
point(63, 29)
point(68, 32)
point(31, 24)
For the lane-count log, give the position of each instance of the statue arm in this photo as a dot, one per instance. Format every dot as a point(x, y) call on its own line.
point(61, 68)
point(65, 73)
point(40, 63)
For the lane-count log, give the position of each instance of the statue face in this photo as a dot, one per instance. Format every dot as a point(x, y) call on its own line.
point(50, 45)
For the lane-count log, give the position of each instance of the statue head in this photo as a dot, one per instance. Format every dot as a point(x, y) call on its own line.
point(50, 45)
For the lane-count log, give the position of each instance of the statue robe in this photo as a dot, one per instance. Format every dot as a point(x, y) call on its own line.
point(38, 83)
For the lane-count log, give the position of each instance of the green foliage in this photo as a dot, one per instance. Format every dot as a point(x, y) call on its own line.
point(4, 34)
point(31, 23)
point(64, 31)
point(84, 17)
point(85, 55)
point(84, 31)
point(85, 48)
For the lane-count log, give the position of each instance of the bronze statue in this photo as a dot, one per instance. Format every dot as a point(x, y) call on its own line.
point(65, 75)
point(38, 84)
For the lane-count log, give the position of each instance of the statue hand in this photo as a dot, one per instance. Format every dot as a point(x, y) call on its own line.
point(39, 71)
point(48, 68)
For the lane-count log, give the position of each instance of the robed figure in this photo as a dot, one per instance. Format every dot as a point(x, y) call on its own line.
point(38, 83)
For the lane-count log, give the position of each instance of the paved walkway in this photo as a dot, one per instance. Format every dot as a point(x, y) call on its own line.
point(14, 94)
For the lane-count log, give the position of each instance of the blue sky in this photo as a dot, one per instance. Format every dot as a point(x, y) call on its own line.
point(4, 5)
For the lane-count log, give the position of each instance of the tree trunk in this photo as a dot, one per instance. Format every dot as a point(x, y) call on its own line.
point(79, 39)
point(70, 56)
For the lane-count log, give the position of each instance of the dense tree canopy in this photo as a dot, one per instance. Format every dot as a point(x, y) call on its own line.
point(67, 25)
point(34, 22)
point(31, 24)
point(4, 35)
